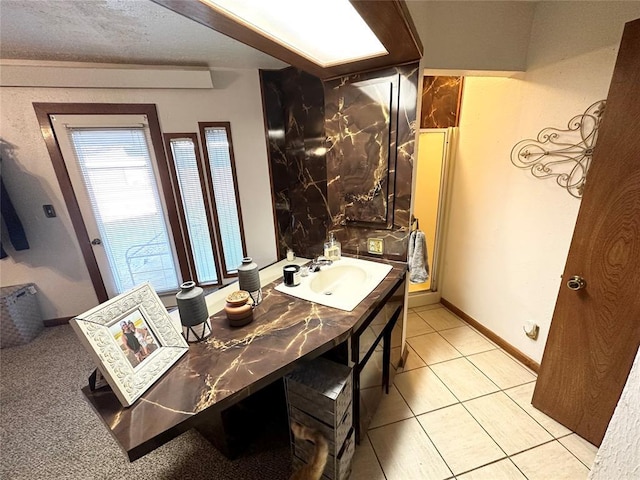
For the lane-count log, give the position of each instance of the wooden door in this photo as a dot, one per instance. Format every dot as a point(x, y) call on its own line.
point(595, 331)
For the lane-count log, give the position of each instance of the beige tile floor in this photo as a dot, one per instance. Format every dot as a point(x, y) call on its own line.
point(461, 409)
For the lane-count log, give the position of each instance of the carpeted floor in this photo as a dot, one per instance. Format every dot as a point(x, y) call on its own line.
point(49, 431)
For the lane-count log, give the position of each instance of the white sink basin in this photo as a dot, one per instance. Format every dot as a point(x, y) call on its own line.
point(342, 285)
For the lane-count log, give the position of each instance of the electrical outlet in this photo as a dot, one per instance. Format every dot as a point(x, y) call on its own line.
point(375, 246)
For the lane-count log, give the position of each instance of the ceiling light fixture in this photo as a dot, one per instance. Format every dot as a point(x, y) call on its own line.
point(301, 26)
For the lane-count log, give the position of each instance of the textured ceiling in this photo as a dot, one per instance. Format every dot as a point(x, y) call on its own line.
point(117, 31)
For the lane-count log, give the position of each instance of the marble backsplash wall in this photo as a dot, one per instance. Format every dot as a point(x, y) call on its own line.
point(294, 118)
point(352, 129)
point(361, 154)
point(441, 102)
point(314, 192)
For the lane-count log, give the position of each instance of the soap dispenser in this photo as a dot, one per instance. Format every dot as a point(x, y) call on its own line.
point(332, 249)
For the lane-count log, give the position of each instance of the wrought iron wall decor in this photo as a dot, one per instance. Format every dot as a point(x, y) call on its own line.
point(562, 154)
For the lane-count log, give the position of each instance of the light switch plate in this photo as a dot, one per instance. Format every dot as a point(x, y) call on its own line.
point(375, 246)
point(49, 211)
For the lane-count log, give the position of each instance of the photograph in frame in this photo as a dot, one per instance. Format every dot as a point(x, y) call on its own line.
point(132, 340)
point(135, 337)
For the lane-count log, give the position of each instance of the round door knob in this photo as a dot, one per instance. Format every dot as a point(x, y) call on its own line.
point(96, 241)
point(576, 283)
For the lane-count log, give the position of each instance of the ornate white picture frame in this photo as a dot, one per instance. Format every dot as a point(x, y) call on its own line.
point(114, 334)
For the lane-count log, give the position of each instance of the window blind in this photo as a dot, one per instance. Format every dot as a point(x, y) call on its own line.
point(118, 174)
point(184, 157)
point(217, 144)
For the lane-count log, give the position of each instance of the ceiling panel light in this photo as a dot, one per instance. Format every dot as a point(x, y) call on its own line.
point(326, 32)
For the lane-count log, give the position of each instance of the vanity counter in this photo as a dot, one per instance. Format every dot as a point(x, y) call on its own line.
point(235, 362)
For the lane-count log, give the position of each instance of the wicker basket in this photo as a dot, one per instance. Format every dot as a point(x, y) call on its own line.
point(20, 317)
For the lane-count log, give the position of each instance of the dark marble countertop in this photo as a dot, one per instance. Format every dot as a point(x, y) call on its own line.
point(233, 363)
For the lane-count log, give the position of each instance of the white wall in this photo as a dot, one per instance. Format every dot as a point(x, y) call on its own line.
point(619, 453)
point(483, 35)
point(509, 234)
point(54, 261)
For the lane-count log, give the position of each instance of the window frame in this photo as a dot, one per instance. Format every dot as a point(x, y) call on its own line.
point(103, 130)
point(202, 126)
point(43, 112)
point(211, 221)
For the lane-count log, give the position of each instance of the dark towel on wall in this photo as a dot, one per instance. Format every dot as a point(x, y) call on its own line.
point(12, 222)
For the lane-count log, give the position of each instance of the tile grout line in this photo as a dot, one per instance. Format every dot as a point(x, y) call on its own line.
point(438, 333)
point(415, 417)
point(507, 456)
point(501, 390)
point(487, 464)
point(514, 402)
point(471, 363)
point(376, 455)
point(569, 450)
point(447, 328)
point(435, 409)
point(531, 416)
point(447, 406)
point(512, 386)
point(434, 363)
point(453, 475)
point(509, 397)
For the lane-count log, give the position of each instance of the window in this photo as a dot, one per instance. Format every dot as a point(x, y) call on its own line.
point(187, 166)
point(137, 217)
point(222, 178)
point(114, 177)
point(207, 192)
point(118, 174)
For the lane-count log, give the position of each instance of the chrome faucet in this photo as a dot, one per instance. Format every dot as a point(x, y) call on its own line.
point(318, 262)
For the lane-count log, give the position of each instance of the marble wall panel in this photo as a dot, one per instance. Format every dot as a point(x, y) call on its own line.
point(294, 111)
point(364, 122)
point(273, 104)
point(402, 135)
point(440, 102)
point(314, 192)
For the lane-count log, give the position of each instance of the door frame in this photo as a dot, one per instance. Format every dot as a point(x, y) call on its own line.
point(43, 111)
point(433, 295)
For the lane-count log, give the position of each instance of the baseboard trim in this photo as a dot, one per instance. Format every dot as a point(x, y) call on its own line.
point(507, 347)
point(54, 322)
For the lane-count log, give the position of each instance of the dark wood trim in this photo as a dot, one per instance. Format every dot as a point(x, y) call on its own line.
point(276, 227)
point(392, 24)
point(176, 189)
point(389, 20)
point(405, 14)
point(227, 126)
point(459, 103)
point(54, 322)
point(43, 111)
point(167, 187)
point(182, 214)
point(507, 347)
point(212, 208)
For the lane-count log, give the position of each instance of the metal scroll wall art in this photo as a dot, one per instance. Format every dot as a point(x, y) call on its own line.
point(562, 154)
